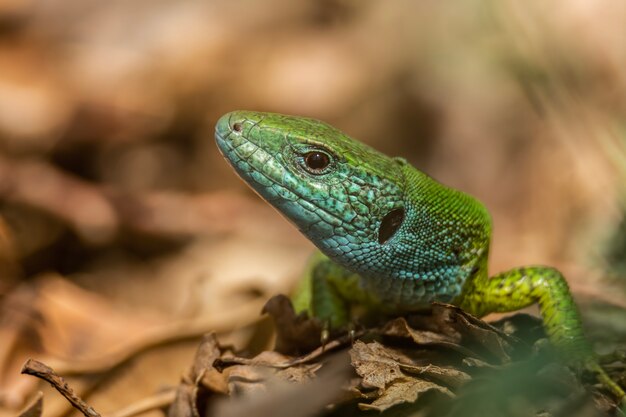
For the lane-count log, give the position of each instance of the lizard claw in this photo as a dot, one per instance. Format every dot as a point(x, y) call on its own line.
point(325, 335)
point(352, 326)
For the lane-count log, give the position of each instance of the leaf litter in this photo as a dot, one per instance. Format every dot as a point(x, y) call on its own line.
point(443, 362)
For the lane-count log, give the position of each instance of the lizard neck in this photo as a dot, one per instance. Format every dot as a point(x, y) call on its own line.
point(444, 241)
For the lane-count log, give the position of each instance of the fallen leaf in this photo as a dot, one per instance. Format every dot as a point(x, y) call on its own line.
point(376, 364)
point(295, 333)
point(400, 328)
point(404, 390)
point(475, 332)
point(203, 371)
point(448, 376)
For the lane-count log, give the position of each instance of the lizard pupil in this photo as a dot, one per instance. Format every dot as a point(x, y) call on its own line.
point(316, 161)
point(390, 224)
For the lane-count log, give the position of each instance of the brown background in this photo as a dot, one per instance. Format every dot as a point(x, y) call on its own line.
point(119, 216)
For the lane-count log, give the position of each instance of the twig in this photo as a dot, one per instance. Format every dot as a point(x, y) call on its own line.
point(43, 371)
point(223, 363)
point(150, 403)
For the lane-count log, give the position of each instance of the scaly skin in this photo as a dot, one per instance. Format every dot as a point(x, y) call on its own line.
point(391, 238)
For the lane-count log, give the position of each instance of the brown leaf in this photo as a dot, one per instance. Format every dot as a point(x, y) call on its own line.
point(404, 390)
point(294, 333)
point(203, 370)
point(381, 367)
point(250, 376)
point(299, 373)
point(276, 397)
point(185, 403)
point(201, 375)
point(400, 328)
point(376, 364)
point(448, 376)
point(79, 203)
point(74, 328)
point(475, 332)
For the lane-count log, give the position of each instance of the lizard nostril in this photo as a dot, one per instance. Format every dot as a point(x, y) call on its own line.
point(237, 127)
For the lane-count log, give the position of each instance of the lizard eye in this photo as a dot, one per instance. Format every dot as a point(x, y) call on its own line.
point(316, 161)
point(390, 225)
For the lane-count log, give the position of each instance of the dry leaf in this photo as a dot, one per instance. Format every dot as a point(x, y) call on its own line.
point(203, 371)
point(376, 364)
point(294, 333)
point(381, 367)
point(404, 390)
point(447, 376)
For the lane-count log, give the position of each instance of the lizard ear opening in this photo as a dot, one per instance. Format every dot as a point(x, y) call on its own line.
point(390, 224)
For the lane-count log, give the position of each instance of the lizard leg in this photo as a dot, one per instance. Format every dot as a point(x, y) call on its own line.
point(521, 287)
point(318, 295)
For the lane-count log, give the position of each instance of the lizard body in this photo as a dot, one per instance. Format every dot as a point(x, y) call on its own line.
point(389, 236)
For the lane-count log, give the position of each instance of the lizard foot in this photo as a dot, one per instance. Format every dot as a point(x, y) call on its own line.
point(606, 381)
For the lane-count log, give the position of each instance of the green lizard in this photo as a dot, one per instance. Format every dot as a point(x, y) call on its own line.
point(389, 236)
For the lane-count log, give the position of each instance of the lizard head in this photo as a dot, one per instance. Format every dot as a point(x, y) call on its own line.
point(347, 198)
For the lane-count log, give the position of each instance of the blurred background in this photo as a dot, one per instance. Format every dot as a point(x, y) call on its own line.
point(124, 235)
